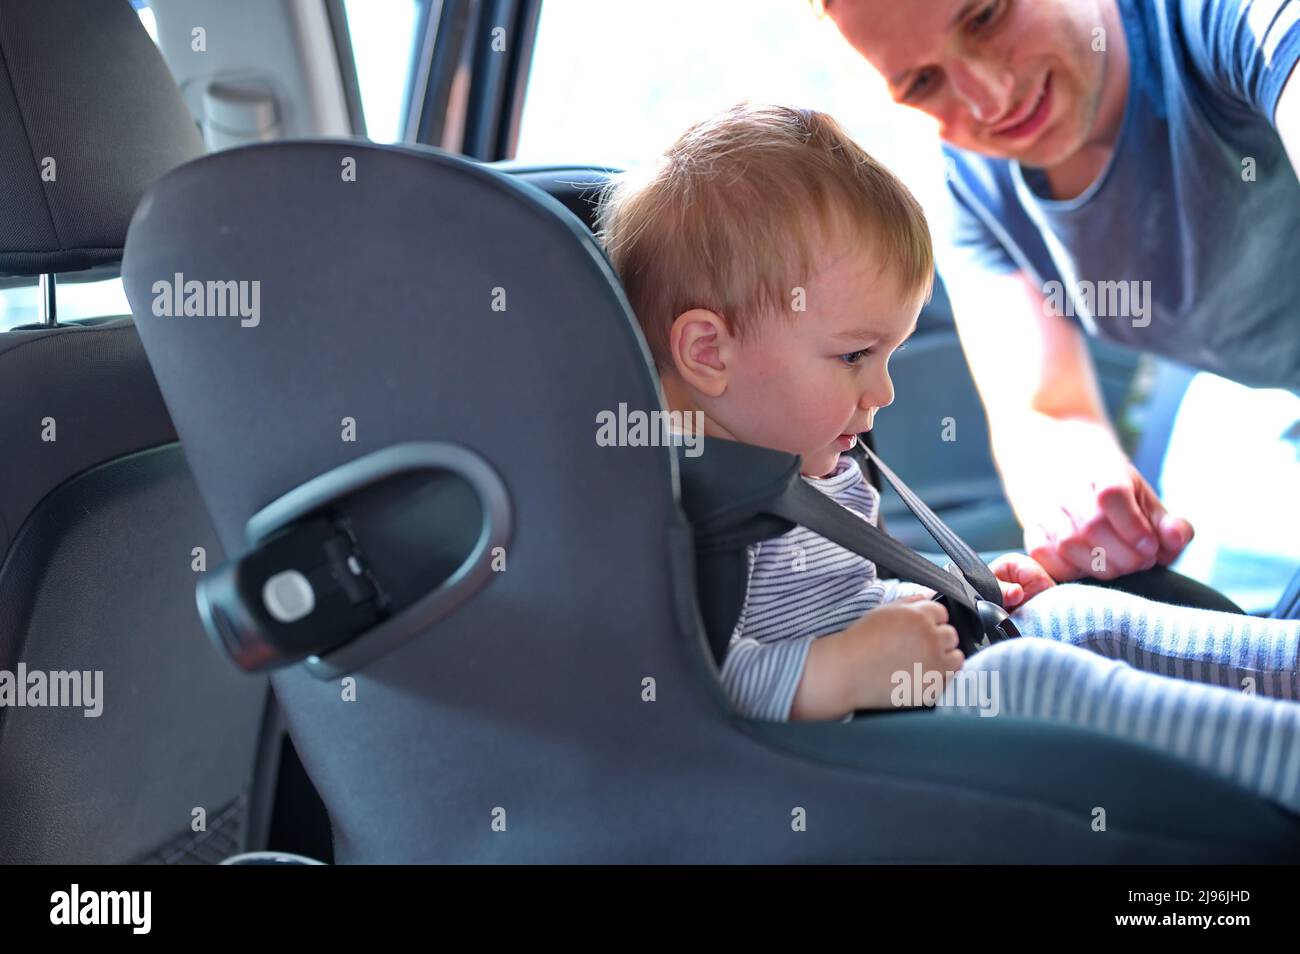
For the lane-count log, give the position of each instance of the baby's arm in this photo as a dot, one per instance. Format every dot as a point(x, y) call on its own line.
point(760, 678)
point(855, 669)
point(823, 692)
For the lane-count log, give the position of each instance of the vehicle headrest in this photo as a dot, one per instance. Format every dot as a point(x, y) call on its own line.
point(89, 116)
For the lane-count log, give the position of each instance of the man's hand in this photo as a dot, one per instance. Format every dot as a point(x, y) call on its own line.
point(1021, 577)
point(1085, 509)
point(1105, 524)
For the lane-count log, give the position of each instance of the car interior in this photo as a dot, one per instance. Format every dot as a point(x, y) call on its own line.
point(543, 664)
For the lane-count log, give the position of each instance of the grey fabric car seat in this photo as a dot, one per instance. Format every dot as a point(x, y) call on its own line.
point(563, 707)
point(98, 524)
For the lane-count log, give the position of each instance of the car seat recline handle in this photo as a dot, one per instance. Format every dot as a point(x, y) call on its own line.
point(307, 590)
point(304, 591)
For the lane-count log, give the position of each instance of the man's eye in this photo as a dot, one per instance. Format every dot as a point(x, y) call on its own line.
point(853, 357)
point(985, 17)
point(920, 86)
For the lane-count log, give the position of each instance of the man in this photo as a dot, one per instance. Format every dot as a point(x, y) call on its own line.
point(1124, 168)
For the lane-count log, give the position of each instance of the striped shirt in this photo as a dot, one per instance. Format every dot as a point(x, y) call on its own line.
point(801, 586)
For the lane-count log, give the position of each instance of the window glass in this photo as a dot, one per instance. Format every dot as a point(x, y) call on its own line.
point(1232, 468)
point(383, 46)
point(75, 301)
point(616, 83)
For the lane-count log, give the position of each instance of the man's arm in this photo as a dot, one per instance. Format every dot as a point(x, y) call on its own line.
point(1287, 119)
point(1249, 49)
point(1085, 509)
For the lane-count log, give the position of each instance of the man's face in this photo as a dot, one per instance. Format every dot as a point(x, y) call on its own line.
point(1012, 79)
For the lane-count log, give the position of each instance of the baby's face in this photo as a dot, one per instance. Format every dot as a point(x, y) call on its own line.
point(807, 385)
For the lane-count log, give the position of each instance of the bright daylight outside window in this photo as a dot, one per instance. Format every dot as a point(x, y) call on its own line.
point(383, 46)
point(616, 83)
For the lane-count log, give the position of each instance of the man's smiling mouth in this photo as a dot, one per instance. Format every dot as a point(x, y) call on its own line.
point(1029, 120)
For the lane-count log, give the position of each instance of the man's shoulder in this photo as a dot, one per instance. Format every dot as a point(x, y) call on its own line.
point(964, 166)
point(1237, 53)
point(980, 182)
point(983, 192)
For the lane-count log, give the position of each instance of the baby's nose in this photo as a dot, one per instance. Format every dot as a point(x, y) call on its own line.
point(881, 395)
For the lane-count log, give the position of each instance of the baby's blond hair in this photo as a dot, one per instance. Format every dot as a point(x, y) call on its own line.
point(732, 218)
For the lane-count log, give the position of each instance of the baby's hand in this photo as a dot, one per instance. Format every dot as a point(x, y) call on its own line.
point(1021, 578)
point(890, 639)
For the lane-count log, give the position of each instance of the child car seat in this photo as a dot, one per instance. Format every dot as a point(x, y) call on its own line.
point(421, 393)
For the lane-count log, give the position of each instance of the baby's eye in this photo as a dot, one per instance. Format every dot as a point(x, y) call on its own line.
point(853, 357)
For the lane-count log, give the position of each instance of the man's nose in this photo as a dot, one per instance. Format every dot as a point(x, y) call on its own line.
point(985, 87)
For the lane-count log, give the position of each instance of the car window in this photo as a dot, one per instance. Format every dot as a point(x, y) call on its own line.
point(616, 83)
point(147, 18)
point(76, 301)
point(1232, 467)
point(383, 36)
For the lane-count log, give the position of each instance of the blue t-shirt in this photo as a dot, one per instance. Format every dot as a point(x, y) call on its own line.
point(1188, 244)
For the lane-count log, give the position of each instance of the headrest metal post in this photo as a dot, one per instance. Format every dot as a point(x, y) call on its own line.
point(48, 308)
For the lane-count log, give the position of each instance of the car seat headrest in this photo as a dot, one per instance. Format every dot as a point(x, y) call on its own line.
point(89, 116)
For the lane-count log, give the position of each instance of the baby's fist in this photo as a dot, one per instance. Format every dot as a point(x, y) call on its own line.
point(1021, 578)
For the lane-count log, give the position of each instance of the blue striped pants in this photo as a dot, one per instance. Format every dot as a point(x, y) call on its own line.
point(1102, 659)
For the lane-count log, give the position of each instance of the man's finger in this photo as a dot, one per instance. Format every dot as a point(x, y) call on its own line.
point(1173, 533)
point(1066, 529)
point(1040, 546)
point(1109, 556)
point(1124, 512)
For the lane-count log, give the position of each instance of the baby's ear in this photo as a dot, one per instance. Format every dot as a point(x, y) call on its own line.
point(699, 342)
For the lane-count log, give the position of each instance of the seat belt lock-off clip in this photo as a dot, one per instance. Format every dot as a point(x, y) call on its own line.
point(307, 589)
